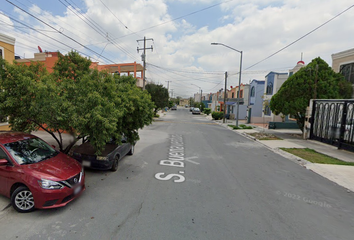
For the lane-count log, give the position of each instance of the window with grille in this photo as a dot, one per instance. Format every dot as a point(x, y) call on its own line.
point(253, 92)
point(348, 71)
point(269, 89)
point(267, 111)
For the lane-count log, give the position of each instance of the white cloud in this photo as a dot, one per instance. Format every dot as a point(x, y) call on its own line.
point(257, 27)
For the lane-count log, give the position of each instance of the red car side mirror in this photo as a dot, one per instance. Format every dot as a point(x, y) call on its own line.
point(3, 162)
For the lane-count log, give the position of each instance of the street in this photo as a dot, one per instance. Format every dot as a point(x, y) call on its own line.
point(190, 178)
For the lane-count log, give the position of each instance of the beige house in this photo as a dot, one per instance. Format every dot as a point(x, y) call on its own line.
point(7, 47)
point(343, 62)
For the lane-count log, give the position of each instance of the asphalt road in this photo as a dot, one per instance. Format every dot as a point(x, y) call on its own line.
point(193, 179)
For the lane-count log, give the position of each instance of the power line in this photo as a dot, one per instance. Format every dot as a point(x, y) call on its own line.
point(58, 31)
point(47, 35)
point(96, 27)
point(301, 37)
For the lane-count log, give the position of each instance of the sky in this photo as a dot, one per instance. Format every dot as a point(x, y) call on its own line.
point(272, 35)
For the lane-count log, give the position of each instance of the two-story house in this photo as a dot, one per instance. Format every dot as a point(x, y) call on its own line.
point(255, 106)
point(273, 82)
point(343, 62)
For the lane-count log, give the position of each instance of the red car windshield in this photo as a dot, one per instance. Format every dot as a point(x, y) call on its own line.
point(31, 150)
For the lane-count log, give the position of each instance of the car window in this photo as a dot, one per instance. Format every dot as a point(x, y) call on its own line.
point(3, 155)
point(30, 151)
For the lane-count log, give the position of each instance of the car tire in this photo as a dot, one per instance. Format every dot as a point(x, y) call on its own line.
point(22, 200)
point(115, 164)
point(131, 151)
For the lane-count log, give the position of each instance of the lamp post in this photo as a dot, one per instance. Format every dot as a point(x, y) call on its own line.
point(201, 91)
point(239, 80)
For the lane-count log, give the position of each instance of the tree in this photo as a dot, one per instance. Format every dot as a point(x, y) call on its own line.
point(191, 101)
point(88, 104)
point(137, 105)
point(176, 101)
point(316, 80)
point(159, 95)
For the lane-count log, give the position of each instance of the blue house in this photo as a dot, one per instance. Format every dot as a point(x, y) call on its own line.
point(255, 106)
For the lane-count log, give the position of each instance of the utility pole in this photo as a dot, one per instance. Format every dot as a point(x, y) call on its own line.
point(315, 92)
point(168, 87)
point(223, 119)
point(143, 56)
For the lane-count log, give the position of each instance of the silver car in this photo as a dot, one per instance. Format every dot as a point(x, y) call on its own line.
point(196, 111)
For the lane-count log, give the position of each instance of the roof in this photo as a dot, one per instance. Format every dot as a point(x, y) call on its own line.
point(276, 73)
point(8, 137)
point(258, 81)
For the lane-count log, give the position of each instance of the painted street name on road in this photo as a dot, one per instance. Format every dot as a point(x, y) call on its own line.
point(175, 160)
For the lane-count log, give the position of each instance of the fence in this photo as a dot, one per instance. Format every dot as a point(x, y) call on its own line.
point(332, 122)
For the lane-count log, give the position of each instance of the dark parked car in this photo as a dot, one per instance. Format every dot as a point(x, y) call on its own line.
point(191, 109)
point(174, 107)
point(35, 175)
point(108, 159)
point(196, 111)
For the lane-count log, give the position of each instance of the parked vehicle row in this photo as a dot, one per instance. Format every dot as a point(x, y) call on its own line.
point(35, 175)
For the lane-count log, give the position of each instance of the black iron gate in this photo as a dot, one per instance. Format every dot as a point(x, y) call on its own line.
point(332, 122)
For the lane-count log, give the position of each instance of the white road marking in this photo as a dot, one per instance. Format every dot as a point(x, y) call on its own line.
point(188, 159)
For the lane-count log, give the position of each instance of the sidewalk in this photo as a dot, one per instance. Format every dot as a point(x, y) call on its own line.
point(292, 138)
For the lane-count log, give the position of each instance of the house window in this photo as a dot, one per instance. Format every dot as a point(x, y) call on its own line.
point(1, 53)
point(241, 94)
point(233, 95)
point(267, 111)
point(347, 70)
point(269, 89)
point(253, 91)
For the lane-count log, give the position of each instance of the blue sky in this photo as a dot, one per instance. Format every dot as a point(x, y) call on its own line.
point(182, 51)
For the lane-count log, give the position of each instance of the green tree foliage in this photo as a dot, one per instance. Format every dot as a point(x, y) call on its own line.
point(159, 95)
point(170, 104)
point(75, 99)
point(316, 80)
point(207, 111)
point(191, 101)
point(199, 105)
point(137, 105)
point(217, 115)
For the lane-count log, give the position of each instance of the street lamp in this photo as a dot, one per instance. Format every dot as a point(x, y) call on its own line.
point(201, 92)
point(239, 80)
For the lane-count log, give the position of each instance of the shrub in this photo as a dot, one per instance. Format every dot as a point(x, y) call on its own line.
point(217, 115)
point(156, 116)
point(207, 111)
point(241, 126)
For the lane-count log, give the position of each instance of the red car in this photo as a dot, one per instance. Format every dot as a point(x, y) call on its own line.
point(35, 175)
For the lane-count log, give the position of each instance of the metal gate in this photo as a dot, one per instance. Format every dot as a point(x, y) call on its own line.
point(332, 122)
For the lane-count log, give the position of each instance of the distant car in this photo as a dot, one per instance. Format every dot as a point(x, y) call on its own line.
point(186, 106)
point(108, 159)
point(191, 109)
point(174, 107)
point(196, 111)
point(35, 175)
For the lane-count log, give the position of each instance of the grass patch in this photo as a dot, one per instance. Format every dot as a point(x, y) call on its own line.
point(241, 126)
point(264, 136)
point(315, 157)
